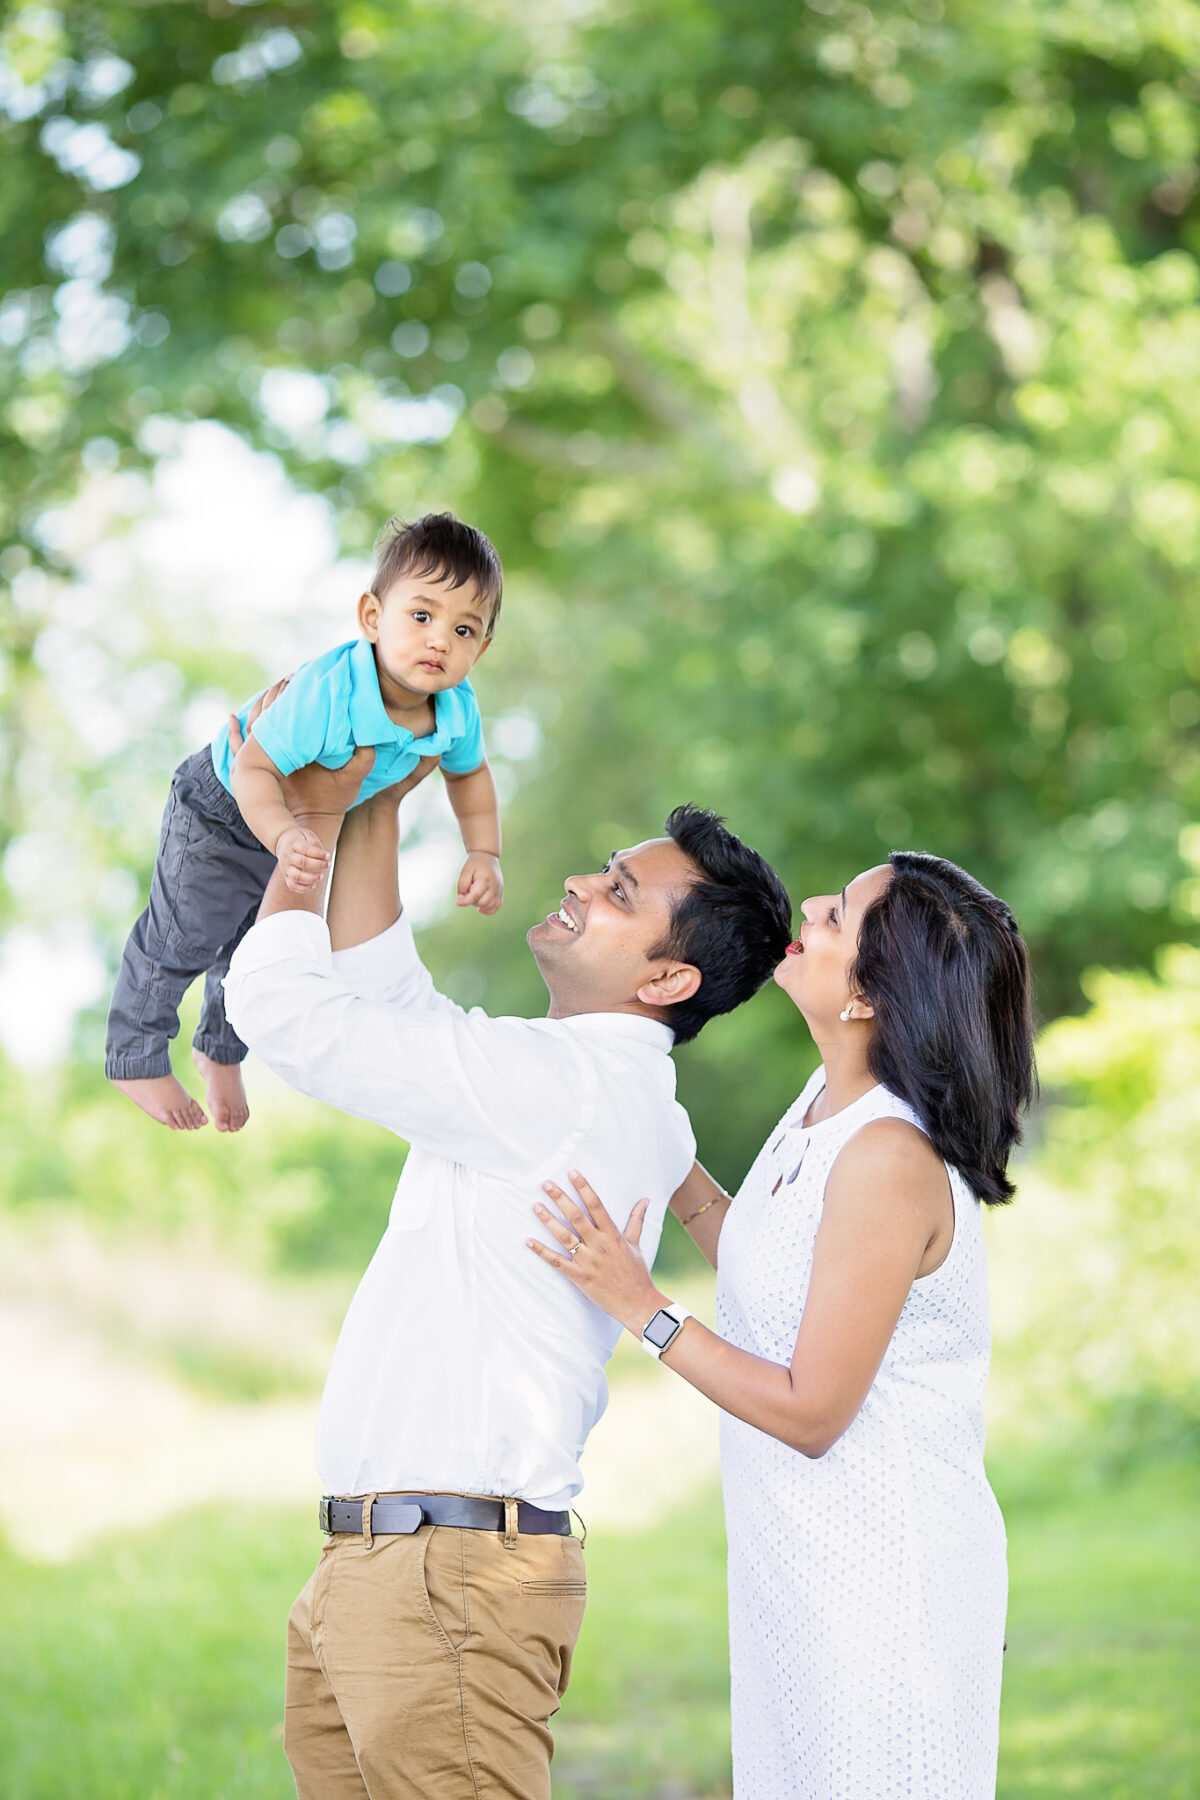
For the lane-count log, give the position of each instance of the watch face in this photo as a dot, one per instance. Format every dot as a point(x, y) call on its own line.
point(661, 1329)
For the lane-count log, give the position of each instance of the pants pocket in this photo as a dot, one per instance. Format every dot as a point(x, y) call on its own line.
point(443, 1584)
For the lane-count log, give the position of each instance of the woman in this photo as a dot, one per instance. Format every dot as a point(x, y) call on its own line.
point(867, 1581)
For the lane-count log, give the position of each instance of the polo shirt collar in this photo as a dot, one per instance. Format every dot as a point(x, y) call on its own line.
point(369, 721)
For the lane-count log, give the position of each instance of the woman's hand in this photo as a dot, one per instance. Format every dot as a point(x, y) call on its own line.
point(604, 1263)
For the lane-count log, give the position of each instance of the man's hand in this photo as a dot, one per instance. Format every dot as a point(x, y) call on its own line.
point(389, 798)
point(481, 883)
point(267, 698)
point(320, 797)
point(365, 899)
point(297, 790)
point(315, 796)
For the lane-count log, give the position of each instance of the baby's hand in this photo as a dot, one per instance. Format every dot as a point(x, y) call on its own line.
point(481, 884)
point(302, 857)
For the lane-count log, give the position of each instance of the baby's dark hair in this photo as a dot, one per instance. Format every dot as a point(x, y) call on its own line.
point(440, 545)
point(732, 923)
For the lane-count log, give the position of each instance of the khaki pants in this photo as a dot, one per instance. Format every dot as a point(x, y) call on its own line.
point(428, 1667)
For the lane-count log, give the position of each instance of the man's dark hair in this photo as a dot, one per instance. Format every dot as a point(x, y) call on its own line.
point(945, 968)
point(733, 924)
point(440, 545)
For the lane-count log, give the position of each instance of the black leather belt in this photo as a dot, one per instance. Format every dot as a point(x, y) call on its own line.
point(402, 1514)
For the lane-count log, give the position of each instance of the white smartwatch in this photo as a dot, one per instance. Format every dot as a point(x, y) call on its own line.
point(663, 1329)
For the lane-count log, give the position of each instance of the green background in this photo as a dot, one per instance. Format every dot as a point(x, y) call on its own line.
point(827, 377)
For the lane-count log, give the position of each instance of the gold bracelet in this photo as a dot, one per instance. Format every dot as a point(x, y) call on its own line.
point(703, 1209)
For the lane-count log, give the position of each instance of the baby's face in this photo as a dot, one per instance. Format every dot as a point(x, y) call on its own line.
point(428, 634)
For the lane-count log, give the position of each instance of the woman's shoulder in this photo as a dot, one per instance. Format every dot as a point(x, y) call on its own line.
point(888, 1163)
point(886, 1127)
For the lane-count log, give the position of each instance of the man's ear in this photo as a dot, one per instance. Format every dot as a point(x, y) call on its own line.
point(369, 608)
point(679, 981)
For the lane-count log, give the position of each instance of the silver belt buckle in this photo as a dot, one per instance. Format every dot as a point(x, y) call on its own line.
point(323, 1517)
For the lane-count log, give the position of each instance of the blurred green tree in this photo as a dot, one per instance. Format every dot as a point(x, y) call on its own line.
point(826, 377)
point(1095, 1285)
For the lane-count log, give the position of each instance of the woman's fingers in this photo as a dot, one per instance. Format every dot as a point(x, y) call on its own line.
point(565, 1236)
point(562, 1263)
point(588, 1214)
point(590, 1198)
point(571, 1208)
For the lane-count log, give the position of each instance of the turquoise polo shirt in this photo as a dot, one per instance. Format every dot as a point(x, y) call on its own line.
point(333, 704)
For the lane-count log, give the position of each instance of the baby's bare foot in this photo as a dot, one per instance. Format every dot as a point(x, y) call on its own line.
point(224, 1091)
point(161, 1097)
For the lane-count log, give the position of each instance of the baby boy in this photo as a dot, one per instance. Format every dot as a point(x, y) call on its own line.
point(402, 688)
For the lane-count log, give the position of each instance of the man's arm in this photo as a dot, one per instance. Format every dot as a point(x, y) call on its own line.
point(319, 799)
point(497, 1094)
point(501, 1095)
point(365, 898)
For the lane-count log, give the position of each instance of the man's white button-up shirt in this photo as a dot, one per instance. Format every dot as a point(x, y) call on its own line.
point(464, 1363)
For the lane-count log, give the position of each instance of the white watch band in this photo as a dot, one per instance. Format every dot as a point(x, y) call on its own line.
point(679, 1314)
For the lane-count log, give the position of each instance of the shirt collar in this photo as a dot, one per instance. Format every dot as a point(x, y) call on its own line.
point(449, 712)
point(369, 720)
point(368, 716)
point(616, 1024)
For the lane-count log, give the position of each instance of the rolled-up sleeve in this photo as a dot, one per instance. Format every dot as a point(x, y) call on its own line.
point(494, 1094)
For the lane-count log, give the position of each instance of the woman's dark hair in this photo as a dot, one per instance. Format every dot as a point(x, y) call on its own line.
point(733, 923)
point(439, 545)
point(946, 970)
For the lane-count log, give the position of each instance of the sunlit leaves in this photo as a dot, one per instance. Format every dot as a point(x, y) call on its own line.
point(827, 377)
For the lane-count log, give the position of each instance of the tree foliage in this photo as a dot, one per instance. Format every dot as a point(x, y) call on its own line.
point(826, 376)
point(1095, 1282)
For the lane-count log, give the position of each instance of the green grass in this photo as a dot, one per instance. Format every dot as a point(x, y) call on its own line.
point(1102, 1677)
point(152, 1668)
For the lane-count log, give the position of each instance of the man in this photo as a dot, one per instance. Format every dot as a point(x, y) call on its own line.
point(433, 1644)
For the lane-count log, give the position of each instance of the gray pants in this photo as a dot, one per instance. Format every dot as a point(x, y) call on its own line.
point(209, 876)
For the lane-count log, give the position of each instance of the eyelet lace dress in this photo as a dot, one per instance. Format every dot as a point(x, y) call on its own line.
point(867, 1587)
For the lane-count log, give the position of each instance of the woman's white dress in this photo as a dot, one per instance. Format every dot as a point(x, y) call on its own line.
point(867, 1587)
